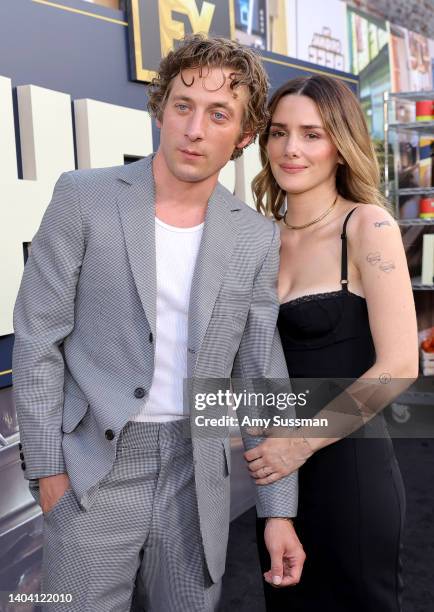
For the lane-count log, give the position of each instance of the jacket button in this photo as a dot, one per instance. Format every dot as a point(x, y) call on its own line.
point(23, 466)
point(21, 456)
point(139, 393)
point(151, 338)
point(109, 434)
point(20, 446)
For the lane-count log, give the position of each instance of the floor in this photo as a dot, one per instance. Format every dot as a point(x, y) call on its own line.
point(242, 587)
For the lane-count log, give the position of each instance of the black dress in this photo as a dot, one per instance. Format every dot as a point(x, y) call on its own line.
point(351, 495)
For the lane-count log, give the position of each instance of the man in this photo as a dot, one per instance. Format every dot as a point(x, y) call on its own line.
point(141, 276)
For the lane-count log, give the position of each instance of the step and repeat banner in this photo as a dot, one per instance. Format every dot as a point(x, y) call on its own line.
point(73, 95)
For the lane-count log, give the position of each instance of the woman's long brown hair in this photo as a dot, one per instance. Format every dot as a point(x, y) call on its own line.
point(358, 177)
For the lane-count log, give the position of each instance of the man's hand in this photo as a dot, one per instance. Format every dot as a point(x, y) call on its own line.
point(286, 553)
point(51, 489)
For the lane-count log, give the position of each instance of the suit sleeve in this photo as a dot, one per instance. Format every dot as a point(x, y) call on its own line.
point(260, 363)
point(43, 318)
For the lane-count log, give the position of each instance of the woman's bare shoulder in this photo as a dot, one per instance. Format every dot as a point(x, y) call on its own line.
point(368, 217)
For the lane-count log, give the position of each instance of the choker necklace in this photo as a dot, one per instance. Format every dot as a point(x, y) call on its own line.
point(297, 227)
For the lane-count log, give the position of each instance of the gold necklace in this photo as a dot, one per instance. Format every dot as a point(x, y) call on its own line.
point(297, 227)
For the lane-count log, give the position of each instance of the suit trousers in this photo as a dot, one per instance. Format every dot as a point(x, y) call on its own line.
point(138, 547)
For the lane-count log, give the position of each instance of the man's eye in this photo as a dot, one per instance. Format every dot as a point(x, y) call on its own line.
point(219, 116)
point(181, 107)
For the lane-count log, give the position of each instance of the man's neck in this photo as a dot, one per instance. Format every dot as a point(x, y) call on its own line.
point(178, 202)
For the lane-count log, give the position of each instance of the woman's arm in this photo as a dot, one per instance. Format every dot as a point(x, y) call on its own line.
point(376, 249)
point(377, 252)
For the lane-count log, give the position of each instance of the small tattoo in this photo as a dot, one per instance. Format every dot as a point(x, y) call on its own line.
point(387, 266)
point(373, 258)
point(380, 223)
point(385, 378)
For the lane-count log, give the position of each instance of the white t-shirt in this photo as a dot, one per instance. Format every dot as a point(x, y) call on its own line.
point(176, 253)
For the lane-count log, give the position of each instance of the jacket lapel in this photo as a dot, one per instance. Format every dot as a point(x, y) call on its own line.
point(215, 251)
point(136, 205)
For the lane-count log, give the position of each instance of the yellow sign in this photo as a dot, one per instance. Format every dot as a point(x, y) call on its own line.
point(175, 18)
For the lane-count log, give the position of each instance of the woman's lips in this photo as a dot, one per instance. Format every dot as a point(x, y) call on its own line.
point(292, 169)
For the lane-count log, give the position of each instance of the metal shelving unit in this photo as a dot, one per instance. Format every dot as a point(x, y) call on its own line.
point(422, 391)
point(415, 126)
point(393, 191)
point(418, 191)
point(419, 286)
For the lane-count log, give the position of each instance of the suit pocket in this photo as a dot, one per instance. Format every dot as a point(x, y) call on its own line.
point(74, 411)
point(59, 504)
point(227, 452)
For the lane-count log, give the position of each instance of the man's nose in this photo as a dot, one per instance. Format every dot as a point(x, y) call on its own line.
point(195, 126)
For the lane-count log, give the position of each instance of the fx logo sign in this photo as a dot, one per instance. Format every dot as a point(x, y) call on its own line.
point(157, 25)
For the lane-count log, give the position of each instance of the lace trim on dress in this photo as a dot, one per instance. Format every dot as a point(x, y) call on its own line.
point(313, 296)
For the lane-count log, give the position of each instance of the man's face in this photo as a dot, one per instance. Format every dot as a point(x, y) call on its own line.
point(202, 123)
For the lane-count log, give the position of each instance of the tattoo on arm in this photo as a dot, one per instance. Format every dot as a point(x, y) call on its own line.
point(375, 258)
point(380, 223)
point(387, 266)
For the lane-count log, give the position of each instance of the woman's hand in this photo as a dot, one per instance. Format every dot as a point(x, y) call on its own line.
point(275, 458)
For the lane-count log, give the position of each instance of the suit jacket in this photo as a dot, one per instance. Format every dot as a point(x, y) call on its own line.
point(85, 336)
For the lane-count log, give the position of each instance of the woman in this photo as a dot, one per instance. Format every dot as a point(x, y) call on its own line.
point(346, 311)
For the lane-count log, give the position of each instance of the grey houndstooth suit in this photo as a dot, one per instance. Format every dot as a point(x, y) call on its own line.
point(85, 323)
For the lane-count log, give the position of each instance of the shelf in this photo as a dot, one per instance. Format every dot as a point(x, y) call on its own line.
point(416, 191)
point(415, 222)
point(392, 157)
point(415, 126)
point(416, 397)
point(413, 95)
point(417, 285)
point(421, 392)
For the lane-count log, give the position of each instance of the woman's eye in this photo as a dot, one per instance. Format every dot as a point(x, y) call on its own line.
point(277, 134)
point(312, 136)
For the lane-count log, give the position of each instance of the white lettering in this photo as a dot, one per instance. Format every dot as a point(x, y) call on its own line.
point(104, 133)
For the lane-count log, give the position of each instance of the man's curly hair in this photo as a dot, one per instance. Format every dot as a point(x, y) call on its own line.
point(198, 51)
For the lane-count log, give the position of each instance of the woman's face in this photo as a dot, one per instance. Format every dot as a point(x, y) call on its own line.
point(301, 153)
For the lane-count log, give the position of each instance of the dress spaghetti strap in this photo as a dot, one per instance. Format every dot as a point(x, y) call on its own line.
point(344, 257)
